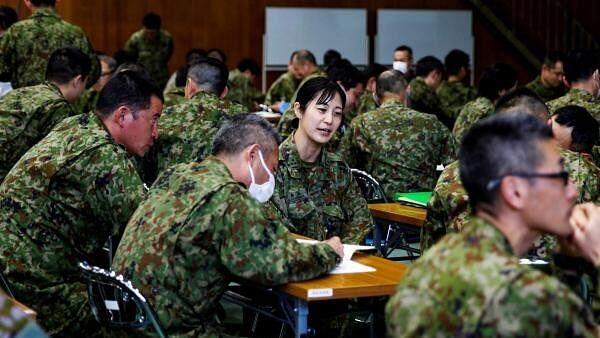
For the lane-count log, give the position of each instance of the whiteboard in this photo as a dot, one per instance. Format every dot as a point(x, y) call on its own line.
point(427, 32)
point(317, 29)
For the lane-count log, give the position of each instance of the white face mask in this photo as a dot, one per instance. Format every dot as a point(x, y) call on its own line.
point(400, 66)
point(261, 192)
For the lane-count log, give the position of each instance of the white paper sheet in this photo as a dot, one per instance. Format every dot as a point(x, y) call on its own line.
point(347, 265)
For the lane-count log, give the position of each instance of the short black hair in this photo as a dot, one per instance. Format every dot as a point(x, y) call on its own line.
point(38, 3)
point(123, 56)
point(8, 16)
point(331, 56)
point(344, 72)
point(523, 100)
point(249, 64)
point(496, 77)
point(455, 60)
point(242, 130)
point(66, 63)
point(137, 68)
point(390, 81)
point(304, 55)
point(151, 21)
point(374, 70)
point(221, 56)
point(553, 57)
point(428, 64)
point(194, 53)
point(498, 146)
point(127, 88)
point(585, 127)
point(311, 88)
point(209, 74)
point(404, 48)
point(580, 65)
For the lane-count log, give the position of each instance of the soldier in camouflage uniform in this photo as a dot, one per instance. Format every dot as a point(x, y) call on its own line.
point(496, 80)
point(421, 89)
point(188, 128)
point(315, 189)
point(549, 85)
point(281, 90)
point(582, 71)
point(241, 87)
point(87, 101)
point(200, 227)
point(26, 46)
point(473, 279)
point(67, 195)
point(398, 146)
point(152, 47)
point(28, 114)
point(366, 100)
point(14, 322)
point(453, 94)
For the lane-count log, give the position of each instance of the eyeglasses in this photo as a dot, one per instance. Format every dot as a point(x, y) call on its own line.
point(563, 175)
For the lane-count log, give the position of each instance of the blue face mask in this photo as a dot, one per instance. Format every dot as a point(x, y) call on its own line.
point(261, 192)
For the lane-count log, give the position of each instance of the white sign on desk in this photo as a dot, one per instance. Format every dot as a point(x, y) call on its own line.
point(314, 293)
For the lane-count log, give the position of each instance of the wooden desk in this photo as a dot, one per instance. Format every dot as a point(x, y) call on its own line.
point(28, 311)
point(399, 213)
point(381, 282)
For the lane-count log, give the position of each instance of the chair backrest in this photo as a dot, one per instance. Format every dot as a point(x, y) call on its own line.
point(116, 303)
point(370, 188)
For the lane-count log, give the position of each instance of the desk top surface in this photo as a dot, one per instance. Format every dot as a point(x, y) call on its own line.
point(397, 212)
point(381, 282)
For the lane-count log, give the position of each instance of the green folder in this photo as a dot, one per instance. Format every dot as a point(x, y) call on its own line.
point(419, 198)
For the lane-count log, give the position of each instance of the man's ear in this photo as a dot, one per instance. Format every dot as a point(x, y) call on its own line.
point(224, 92)
point(514, 191)
point(190, 88)
point(119, 117)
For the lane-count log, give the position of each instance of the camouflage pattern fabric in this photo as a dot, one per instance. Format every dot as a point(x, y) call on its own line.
point(27, 115)
point(399, 147)
point(471, 285)
point(320, 199)
point(86, 102)
point(197, 229)
point(153, 55)
point(422, 98)
point(448, 209)
point(58, 206)
point(282, 89)
point(15, 323)
point(187, 130)
point(546, 93)
point(174, 96)
point(365, 103)
point(580, 98)
point(242, 91)
point(453, 96)
point(472, 112)
point(27, 45)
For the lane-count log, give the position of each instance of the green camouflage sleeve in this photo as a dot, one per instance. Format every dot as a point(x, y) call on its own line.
point(56, 112)
point(6, 55)
point(258, 247)
point(112, 186)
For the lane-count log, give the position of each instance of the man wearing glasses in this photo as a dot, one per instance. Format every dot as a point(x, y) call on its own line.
point(471, 282)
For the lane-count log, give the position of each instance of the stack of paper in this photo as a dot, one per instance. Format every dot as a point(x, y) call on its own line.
point(347, 265)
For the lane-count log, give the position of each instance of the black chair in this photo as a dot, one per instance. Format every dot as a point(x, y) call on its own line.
point(370, 188)
point(5, 286)
point(116, 303)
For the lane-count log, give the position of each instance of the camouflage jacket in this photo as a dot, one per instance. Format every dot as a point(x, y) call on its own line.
point(424, 99)
point(470, 284)
point(546, 93)
point(580, 98)
point(472, 112)
point(399, 147)
point(174, 96)
point(58, 206)
point(26, 115)
point(448, 209)
point(320, 199)
point(282, 89)
point(153, 55)
point(241, 90)
point(365, 103)
point(187, 130)
point(288, 121)
point(453, 96)
point(197, 229)
point(27, 45)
